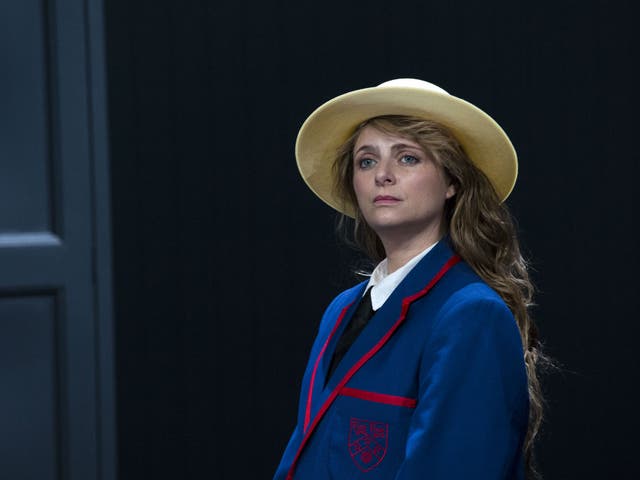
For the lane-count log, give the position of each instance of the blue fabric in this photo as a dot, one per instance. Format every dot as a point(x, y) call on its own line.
point(458, 354)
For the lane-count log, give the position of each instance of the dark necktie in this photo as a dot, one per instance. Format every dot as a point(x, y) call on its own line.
point(360, 318)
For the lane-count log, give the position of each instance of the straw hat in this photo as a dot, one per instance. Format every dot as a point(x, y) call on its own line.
point(331, 124)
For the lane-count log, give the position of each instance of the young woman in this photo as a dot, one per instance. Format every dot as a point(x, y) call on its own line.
point(428, 369)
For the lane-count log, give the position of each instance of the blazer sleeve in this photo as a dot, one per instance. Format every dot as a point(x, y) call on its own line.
point(472, 408)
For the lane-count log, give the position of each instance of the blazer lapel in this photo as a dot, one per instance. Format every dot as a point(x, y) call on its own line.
point(315, 389)
point(385, 317)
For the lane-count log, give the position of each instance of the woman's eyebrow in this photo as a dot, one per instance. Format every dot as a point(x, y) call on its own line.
point(402, 146)
point(366, 148)
point(396, 147)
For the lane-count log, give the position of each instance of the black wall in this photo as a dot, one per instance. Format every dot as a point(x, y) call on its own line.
point(224, 261)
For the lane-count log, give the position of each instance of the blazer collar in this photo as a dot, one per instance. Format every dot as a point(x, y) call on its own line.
point(386, 316)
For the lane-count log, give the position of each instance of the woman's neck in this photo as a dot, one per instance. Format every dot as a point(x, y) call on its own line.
point(401, 249)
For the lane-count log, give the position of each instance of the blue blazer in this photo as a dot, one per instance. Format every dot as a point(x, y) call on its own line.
point(433, 388)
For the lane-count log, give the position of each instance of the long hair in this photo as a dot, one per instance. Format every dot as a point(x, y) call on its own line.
point(481, 231)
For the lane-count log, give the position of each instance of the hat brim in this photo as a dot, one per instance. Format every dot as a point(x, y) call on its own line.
point(331, 124)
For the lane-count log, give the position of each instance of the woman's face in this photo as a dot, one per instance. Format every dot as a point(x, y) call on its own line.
point(400, 189)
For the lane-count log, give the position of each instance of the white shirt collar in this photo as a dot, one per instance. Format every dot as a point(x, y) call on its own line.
point(383, 284)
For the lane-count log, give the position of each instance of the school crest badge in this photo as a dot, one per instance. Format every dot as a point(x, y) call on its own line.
point(368, 441)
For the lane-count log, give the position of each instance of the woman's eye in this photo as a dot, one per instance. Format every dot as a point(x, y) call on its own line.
point(409, 159)
point(365, 162)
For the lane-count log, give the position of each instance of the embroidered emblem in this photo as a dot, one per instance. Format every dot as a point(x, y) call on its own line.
point(367, 442)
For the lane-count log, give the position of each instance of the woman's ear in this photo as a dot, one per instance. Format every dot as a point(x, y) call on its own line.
point(451, 191)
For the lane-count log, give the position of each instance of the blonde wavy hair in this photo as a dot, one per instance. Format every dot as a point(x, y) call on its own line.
point(481, 231)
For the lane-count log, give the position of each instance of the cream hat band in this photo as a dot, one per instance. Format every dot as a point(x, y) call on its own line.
point(331, 124)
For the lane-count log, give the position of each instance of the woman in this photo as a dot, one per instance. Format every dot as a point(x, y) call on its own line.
point(427, 369)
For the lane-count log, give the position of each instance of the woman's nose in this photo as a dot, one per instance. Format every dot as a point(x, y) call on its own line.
point(384, 174)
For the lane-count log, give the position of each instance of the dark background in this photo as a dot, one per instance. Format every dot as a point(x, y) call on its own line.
point(224, 261)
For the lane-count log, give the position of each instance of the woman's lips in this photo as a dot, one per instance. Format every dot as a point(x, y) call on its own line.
point(385, 199)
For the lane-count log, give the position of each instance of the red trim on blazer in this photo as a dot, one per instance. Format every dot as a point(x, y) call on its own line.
point(307, 414)
point(379, 397)
point(406, 302)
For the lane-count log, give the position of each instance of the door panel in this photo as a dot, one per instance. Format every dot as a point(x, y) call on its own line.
point(25, 91)
point(55, 339)
point(30, 366)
